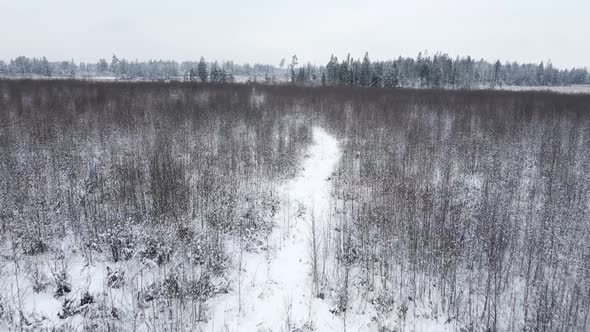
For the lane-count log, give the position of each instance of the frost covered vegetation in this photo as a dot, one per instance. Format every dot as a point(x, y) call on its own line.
point(473, 206)
point(148, 177)
point(458, 210)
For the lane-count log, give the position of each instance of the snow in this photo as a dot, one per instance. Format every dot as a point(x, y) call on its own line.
point(569, 89)
point(274, 290)
point(271, 289)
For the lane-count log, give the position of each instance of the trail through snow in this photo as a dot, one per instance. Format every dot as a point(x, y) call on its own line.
point(275, 293)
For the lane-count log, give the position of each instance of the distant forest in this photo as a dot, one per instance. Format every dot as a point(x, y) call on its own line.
point(425, 71)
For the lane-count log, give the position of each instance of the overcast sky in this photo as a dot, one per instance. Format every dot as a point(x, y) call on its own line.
point(268, 30)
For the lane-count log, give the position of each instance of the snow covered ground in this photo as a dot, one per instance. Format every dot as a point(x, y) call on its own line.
point(273, 290)
point(576, 88)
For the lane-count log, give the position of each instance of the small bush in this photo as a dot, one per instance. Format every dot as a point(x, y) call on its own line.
point(119, 241)
point(67, 309)
point(33, 246)
point(115, 278)
point(185, 234)
point(171, 287)
point(62, 289)
point(402, 312)
point(63, 286)
point(157, 250)
point(384, 303)
point(115, 313)
point(37, 277)
point(202, 288)
point(87, 298)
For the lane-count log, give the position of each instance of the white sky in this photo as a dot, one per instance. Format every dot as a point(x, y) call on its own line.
point(268, 30)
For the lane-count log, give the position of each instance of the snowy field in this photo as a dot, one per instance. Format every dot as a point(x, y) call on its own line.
point(570, 89)
point(274, 289)
point(274, 208)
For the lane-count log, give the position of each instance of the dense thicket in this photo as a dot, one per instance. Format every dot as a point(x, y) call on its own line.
point(126, 171)
point(468, 205)
point(474, 204)
point(85, 157)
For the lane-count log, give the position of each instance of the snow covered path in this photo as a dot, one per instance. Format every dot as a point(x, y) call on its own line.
point(275, 293)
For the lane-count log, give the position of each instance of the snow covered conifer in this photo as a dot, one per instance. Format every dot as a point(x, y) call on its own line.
point(366, 71)
point(202, 70)
point(115, 70)
point(294, 63)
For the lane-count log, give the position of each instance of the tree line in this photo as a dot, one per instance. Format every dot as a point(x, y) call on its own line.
point(438, 71)
point(125, 69)
point(424, 71)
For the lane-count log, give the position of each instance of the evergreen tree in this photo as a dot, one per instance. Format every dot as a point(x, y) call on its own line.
point(202, 70)
point(123, 68)
point(366, 70)
point(102, 66)
point(72, 69)
point(301, 76)
point(396, 76)
point(391, 76)
point(223, 76)
point(46, 67)
point(454, 73)
point(437, 75)
point(540, 75)
point(550, 76)
point(332, 70)
point(21, 66)
point(467, 73)
point(115, 70)
point(423, 68)
point(215, 75)
point(345, 75)
point(294, 63)
point(377, 75)
point(496, 75)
